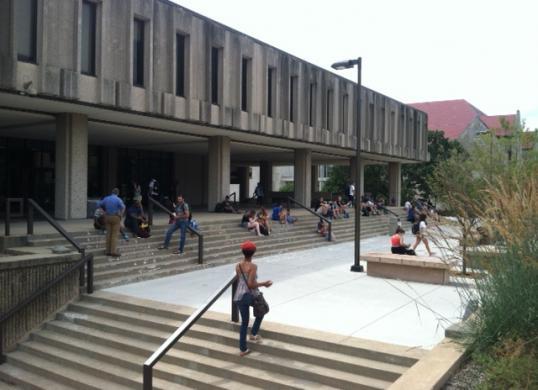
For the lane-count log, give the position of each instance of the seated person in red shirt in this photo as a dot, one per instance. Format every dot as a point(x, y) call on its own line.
point(397, 243)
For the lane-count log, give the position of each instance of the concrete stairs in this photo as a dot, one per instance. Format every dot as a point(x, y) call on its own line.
point(141, 260)
point(101, 341)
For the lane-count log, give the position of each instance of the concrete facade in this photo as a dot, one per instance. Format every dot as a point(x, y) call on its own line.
point(233, 86)
point(219, 170)
point(395, 184)
point(303, 176)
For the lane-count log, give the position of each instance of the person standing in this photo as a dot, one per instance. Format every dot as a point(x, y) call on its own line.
point(114, 209)
point(180, 221)
point(247, 288)
point(420, 231)
point(258, 193)
point(153, 189)
point(351, 194)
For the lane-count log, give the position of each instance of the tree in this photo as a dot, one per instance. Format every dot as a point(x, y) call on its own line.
point(415, 176)
point(337, 180)
point(287, 187)
point(376, 181)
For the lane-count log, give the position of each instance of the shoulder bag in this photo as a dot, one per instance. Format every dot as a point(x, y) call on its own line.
point(259, 304)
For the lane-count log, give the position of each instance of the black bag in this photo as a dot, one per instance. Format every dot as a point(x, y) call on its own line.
point(415, 229)
point(259, 304)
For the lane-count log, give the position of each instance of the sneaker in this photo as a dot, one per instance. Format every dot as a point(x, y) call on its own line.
point(178, 253)
point(255, 339)
point(162, 247)
point(244, 353)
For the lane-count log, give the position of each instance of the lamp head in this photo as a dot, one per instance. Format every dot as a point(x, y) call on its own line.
point(341, 65)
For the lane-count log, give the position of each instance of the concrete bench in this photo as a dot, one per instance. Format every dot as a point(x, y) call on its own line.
point(422, 269)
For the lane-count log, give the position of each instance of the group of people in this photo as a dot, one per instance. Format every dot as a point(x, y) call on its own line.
point(371, 206)
point(108, 217)
point(283, 215)
point(257, 222)
point(420, 231)
point(335, 208)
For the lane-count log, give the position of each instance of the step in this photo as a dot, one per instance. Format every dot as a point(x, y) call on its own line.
point(18, 377)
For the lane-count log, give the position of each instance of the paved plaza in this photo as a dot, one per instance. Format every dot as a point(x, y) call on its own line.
point(315, 289)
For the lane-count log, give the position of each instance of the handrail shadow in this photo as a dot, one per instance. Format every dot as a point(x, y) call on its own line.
point(152, 202)
point(329, 222)
point(185, 326)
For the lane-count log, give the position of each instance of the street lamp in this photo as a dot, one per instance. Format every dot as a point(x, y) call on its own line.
point(356, 267)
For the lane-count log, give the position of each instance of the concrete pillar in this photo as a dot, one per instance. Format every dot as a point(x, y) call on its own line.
point(302, 175)
point(395, 183)
point(218, 170)
point(266, 178)
point(244, 180)
point(315, 178)
point(71, 167)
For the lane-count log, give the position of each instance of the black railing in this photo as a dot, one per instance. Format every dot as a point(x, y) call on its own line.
point(32, 205)
point(329, 222)
point(185, 326)
point(86, 263)
point(152, 202)
point(234, 196)
point(386, 210)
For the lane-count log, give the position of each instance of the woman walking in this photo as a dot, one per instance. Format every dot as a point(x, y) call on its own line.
point(420, 231)
point(247, 288)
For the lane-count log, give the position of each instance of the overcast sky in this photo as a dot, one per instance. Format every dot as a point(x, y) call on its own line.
point(483, 51)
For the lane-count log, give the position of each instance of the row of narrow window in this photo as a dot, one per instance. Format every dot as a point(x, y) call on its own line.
point(26, 22)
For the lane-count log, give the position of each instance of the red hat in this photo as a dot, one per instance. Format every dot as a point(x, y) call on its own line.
point(248, 245)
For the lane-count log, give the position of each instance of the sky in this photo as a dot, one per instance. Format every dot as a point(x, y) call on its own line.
point(483, 51)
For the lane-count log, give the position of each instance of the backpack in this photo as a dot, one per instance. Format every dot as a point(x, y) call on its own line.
point(415, 229)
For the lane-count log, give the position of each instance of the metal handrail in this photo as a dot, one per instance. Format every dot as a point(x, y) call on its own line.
point(185, 326)
point(30, 224)
point(234, 195)
point(316, 214)
point(389, 211)
point(190, 229)
point(79, 265)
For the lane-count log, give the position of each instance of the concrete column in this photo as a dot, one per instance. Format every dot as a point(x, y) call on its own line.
point(218, 170)
point(315, 178)
point(266, 178)
point(244, 181)
point(395, 183)
point(71, 167)
point(302, 175)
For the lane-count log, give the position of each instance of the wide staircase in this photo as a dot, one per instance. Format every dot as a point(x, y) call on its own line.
point(102, 340)
point(141, 260)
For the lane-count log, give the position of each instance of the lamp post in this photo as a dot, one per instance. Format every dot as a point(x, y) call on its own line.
point(356, 267)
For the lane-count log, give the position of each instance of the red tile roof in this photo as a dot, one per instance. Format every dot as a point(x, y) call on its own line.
point(493, 122)
point(451, 116)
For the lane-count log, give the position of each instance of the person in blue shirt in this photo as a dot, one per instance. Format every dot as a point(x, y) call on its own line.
point(114, 209)
point(180, 220)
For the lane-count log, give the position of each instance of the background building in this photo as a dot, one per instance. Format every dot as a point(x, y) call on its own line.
point(98, 94)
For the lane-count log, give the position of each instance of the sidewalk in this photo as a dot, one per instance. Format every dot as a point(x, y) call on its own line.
point(315, 289)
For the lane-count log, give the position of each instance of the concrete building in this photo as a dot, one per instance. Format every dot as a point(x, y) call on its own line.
point(97, 94)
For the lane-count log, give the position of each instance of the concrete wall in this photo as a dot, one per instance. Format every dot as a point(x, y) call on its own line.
point(389, 127)
point(19, 278)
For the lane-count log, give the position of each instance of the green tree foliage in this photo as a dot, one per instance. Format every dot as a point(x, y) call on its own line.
point(337, 180)
point(415, 176)
point(376, 181)
point(287, 187)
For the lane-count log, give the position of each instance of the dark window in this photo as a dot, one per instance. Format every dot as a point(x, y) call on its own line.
point(345, 115)
point(293, 96)
point(393, 127)
point(180, 65)
point(89, 29)
point(329, 109)
point(312, 104)
point(215, 75)
point(270, 91)
point(383, 131)
point(415, 130)
point(245, 63)
point(138, 53)
point(26, 29)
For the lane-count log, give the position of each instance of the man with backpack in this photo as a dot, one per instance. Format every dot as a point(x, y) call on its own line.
point(179, 220)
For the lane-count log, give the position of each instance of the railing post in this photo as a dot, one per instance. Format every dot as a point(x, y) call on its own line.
point(148, 378)
point(89, 286)
point(235, 310)
point(8, 217)
point(30, 218)
point(200, 250)
point(150, 210)
point(330, 231)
